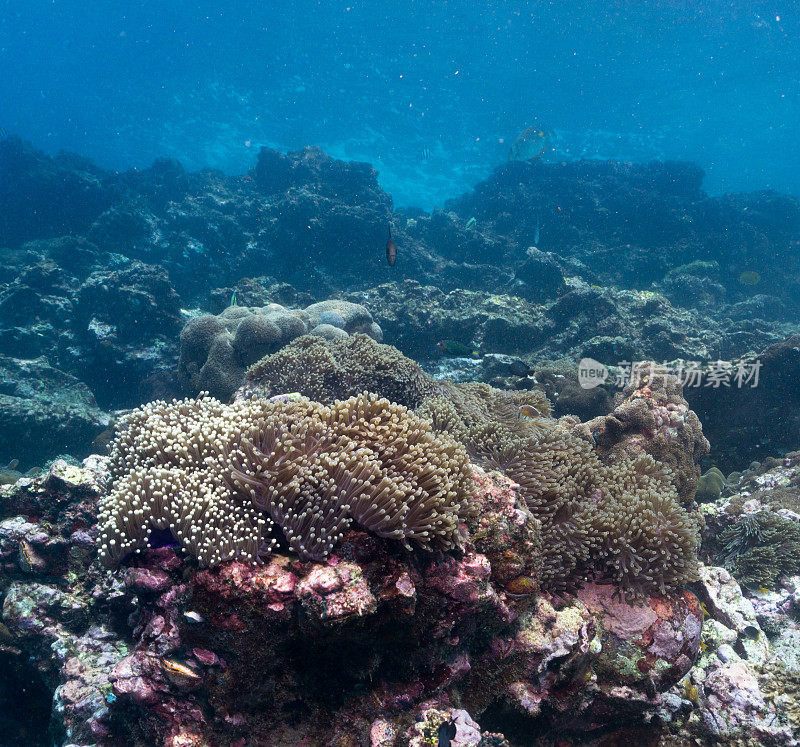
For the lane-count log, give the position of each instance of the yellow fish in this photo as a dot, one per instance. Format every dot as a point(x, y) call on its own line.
point(528, 411)
point(179, 673)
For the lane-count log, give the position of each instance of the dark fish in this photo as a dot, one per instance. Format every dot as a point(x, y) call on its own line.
point(519, 368)
point(456, 349)
point(391, 250)
point(161, 538)
point(531, 144)
point(6, 636)
point(4, 133)
point(447, 731)
point(749, 277)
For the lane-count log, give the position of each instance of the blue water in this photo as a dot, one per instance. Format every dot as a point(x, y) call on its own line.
point(431, 93)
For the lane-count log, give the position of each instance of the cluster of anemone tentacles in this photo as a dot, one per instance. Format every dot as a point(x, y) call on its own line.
point(224, 478)
point(617, 519)
point(761, 548)
point(620, 520)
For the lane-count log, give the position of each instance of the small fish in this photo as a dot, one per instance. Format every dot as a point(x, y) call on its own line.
point(4, 135)
point(519, 368)
point(528, 411)
point(456, 349)
point(179, 673)
point(749, 277)
point(426, 154)
point(752, 632)
point(705, 611)
point(531, 144)
point(391, 250)
point(29, 561)
point(446, 732)
point(471, 223)
point(9, 474)
point(233, 298)
point(194, 617)
point(536, 232)
point(764, 589)
point(161, 538)
point(6, 636)
point(102, 441)
point(289, 397)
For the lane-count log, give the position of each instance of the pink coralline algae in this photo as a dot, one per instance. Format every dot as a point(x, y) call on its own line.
point(652, 417)
point(650, 645)
point(336, 592)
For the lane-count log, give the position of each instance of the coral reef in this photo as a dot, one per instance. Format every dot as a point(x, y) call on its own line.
point(337, 369)
point(109, 321)
point(369, 645)
point(43, 197)
point(218, 476)
point(618, 518)
point(757, 419)
point(652, 417)
point(490, 603)
point(216, 350)
point(633, 262)
point(606, 323)
point(761, 548)
point(607, 218)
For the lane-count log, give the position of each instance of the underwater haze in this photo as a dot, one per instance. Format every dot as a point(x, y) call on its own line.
point(431, 93)
point(399, 373)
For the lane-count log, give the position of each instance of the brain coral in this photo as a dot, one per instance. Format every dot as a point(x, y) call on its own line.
point(336, 369)
point(224, 478)
point(216, 350)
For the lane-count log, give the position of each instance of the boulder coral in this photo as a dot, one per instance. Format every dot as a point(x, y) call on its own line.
point(215, 350)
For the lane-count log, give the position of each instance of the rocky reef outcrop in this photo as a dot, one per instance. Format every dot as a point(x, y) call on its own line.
point(617, 262)
point(370, 638)
point(368, 642)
